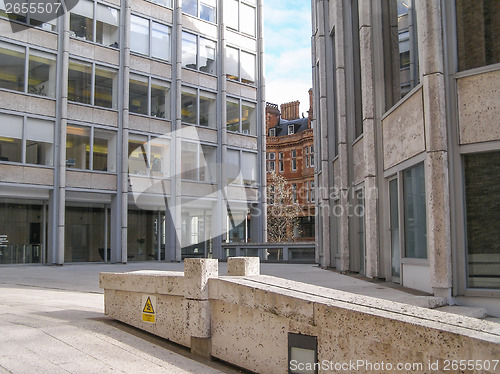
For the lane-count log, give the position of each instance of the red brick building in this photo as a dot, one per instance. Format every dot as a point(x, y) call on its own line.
point(290, 153)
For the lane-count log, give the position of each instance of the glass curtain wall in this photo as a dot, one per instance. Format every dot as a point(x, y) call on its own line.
point(22, 232)
point(146, 235)
point(87, 233)
point(482, 202)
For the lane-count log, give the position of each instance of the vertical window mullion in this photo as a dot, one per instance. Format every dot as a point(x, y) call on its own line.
point(91, 151)
point(26, 68)
point(149, 96)
point(92, 83)
point(150, 38)
point(94, 21)
point(23, 141)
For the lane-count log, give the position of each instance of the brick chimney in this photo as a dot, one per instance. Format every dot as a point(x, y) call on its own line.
point(272, 116)
point(290, 111)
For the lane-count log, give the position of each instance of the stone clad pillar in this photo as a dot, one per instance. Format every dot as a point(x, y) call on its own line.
point(197, 272)
point(436, 165)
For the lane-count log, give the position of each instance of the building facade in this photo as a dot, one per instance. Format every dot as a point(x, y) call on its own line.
point(290, 153)
point(408, 143)
point(131, 131)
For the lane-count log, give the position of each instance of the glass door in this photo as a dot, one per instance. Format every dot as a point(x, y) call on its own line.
point(394, 230)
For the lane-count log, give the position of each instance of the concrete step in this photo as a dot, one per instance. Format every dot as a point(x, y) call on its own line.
point(464, 311)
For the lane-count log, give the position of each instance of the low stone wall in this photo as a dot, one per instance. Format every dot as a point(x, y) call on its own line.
point(245, 319)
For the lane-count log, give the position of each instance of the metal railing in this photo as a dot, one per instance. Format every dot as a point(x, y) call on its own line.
point(295, 252)
point(21, 254)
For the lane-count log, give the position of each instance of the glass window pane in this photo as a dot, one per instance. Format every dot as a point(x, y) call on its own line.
point(137, 154)
point(160, 41)
point(248, 118)
point(208, 163)
point(190, 7)
point(84, 234)
point(394, 227)
point(207, 56)
point(167, 3)
point(42, 20)
point(42, 73)
point(231, 13)
point(105, 87)
point(232, 166)
point(160, 157)
point(139, 35)
point(189, 50)
point(247, 67)
point(12, 67)
point(208, 109)
point(232, 115)
point(142, 245)
point(208, 10)
point(189, 163)
point(39, 142)
point(79, 82)
point(248, 19)
point(11, 134)
point(107, 22)
point(249, 168)
point(482, 203)
point(189, 105)
point(78, 147)
point(415, 212)
point(104, 150)
point(160, 99)
point(482, 46)
point(232, 62)
point(138, 94)
point(81, 22)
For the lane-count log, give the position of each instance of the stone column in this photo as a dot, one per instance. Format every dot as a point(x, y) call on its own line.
point(436, 165)
point(197, 272)
point(243, 266)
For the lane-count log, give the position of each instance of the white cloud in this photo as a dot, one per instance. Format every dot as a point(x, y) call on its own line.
point(287, 37)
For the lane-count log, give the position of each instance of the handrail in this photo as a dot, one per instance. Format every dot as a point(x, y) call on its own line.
point(291, 252)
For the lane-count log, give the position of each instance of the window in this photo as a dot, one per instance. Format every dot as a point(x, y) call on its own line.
point(482, 205)
point(204, 9)
point(198, 53)
point(272, 165)
point(89, 148)
point(293, 153)
point(402, 69)
point(290, 129)
point(272, 156)
point(167, 3)
point(312, 192)
point(241, 163)
point(272, 132)
point(248, 123)
point(240, 16)
point(149, 96)
point(481, 47)
point(41, 70)
point(281, 166)
point(105, 29)
point(294, 192)
point(149, 155)
point(280, 155)
point(202, 113)
point(150, 38)
point(240, 65)
point(31, 18)
point(394, 228)
point(37, 135)
point(80, 89)
point(356, 66)
point(415, 222)
point(198, 162)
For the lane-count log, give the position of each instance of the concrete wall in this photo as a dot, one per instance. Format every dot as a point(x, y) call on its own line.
point(244, 318)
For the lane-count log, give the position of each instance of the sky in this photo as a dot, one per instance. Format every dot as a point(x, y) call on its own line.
point(287, 41)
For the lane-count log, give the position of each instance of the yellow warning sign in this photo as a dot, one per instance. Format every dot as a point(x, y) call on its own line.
point(148, 307)
point(148, 318)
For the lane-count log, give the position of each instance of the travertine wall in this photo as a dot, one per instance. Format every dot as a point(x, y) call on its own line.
point(245, 319)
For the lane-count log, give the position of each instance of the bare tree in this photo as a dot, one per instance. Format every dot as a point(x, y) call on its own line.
point(282, 209)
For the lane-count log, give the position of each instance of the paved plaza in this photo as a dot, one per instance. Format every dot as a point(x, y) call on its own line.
point(52, 320)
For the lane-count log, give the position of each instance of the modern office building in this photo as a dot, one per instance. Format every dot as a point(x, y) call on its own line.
point(407, 111)
point(290, 153)
point(131, 130)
